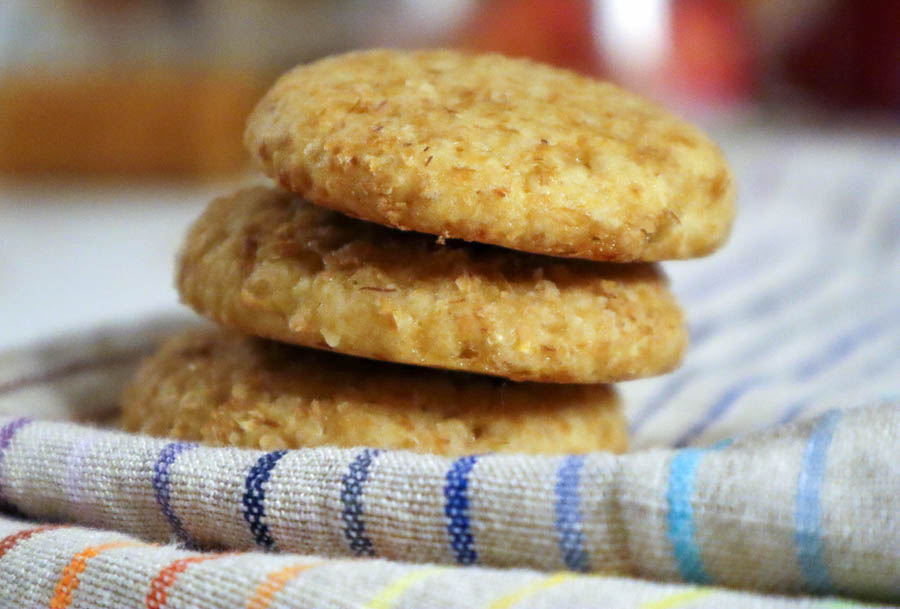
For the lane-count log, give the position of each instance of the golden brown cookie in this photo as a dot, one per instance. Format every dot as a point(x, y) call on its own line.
point(221, 388)
point(496, 150)
point(268, 263)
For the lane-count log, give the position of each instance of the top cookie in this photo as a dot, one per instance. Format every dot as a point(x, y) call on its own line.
point(497, 150)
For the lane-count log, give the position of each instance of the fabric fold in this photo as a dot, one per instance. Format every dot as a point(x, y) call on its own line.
point(768, 512)
point(69, 566)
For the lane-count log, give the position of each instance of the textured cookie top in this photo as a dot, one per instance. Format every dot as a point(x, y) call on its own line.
point(226, 389)
point(496, 150)
point(266, 262)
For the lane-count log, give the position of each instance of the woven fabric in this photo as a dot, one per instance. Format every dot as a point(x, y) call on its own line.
point(807, 507)
point(800, 313)
point(67, 567)
point(795, 355)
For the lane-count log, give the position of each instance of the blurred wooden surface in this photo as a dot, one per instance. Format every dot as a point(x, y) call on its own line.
point(126, 122)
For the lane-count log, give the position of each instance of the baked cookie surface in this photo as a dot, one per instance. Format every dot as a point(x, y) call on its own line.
point(495, 150)
point(266, 262)
point(221, 388)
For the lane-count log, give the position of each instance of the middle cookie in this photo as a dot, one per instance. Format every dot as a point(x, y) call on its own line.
point(268, 263)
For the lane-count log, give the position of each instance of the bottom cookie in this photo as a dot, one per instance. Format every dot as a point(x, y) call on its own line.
point(220, 388)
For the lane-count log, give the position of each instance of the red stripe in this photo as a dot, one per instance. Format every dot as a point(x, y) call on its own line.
point(156, 598)
point(11, 541)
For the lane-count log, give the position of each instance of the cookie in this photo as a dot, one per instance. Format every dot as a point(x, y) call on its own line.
point(496, 150)
point(225, 389)
point(268, 263)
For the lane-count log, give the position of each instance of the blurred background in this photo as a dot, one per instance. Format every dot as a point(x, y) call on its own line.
point(121, 119)
point(162, 87)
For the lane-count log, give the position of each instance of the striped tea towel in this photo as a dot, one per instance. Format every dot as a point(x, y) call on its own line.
point(809, 507)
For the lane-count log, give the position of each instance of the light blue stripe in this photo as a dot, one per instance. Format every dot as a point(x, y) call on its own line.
point(810, 546)
point(568, 514)
point(680, 517)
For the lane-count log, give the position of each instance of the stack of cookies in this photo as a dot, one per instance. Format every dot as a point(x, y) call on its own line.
point(459, 258)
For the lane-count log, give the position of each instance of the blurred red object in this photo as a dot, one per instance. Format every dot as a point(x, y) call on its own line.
point(708, 54)
point(696, 51)
point(557, 32)
point(851, 56)
point(713, 56)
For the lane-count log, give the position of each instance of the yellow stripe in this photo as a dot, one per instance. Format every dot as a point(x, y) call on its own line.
point(391, 592)
point(533, 588)
point(677, 599)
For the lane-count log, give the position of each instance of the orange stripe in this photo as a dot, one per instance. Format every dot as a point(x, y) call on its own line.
point(68, 581)
point(9, 542)
point(274, 582)
point(159, 587)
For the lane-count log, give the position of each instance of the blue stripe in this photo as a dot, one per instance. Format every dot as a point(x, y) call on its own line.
point(791, 293)
point(793, 411)
point(879, 365)
point(763, 251)
point(7, 433)
point(833, 353)
point(787, 294)
point(680, 516)
point(719, 408)
point(568, 514)
point(254, 499)
point(810, 546)
point(737, 270)
point(844, 346)
point(162, 487)
point(670, 387)
point(354, 482)
point(457, 510)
